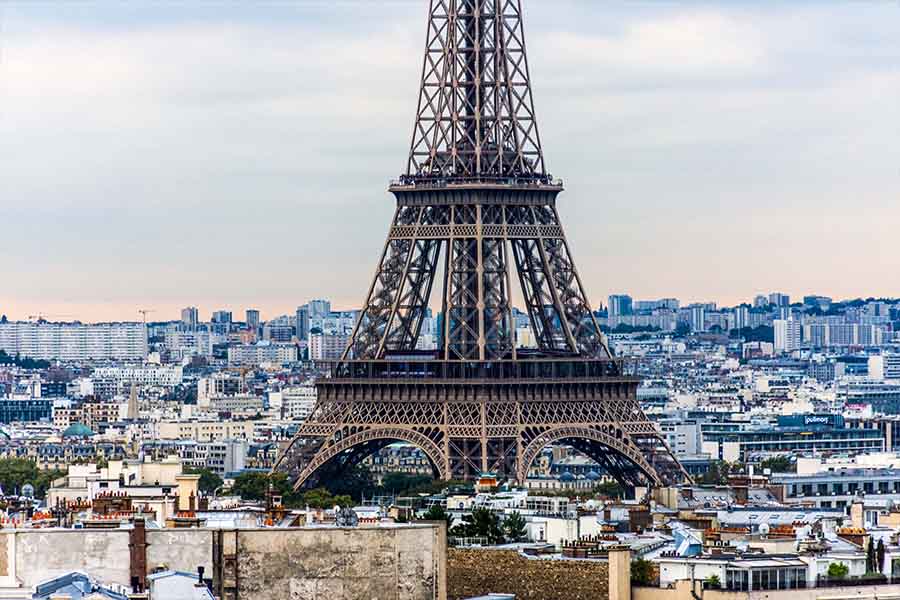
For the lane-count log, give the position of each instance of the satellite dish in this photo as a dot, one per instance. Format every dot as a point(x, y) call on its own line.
point(347, 517)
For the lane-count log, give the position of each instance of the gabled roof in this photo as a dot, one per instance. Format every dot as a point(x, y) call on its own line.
point(187, 584)
point(77, 586)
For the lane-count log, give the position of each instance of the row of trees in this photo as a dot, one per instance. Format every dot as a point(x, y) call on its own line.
point(481, 523)
point(254, 486)
point(23, 361)
point(875, 557)
point(720, 470)
point(16, 472)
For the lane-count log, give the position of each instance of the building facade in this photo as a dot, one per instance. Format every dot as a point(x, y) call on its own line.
point(74, 341)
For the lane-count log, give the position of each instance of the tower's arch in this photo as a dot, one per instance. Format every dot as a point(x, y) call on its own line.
point(349, 450)
point(613, 450)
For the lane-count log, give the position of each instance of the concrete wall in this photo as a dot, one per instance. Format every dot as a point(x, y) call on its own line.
point(180, 549)
point(43, 554)
point(367, 562)
point(477, 572)
point(388, 563)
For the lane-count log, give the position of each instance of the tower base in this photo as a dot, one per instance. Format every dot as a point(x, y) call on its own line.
point(480, 417)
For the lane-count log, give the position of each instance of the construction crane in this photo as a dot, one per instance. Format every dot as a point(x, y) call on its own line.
point(144, 312)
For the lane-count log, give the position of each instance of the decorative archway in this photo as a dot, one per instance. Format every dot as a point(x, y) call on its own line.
point(617, 443)
point(367, 437)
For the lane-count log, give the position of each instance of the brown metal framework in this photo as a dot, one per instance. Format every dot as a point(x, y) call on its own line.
point(476, 204)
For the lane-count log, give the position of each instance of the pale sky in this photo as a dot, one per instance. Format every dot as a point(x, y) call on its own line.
point(227, 155)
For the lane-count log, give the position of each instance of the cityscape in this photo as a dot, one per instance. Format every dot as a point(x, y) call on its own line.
point(480, 426)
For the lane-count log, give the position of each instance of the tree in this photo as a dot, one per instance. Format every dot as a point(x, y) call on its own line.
point(254, 485)
point(879, 556)
point(838, 570)
point(514, 527)
point(712, 582)
point(717, 473)
point(402, 482)
point(481, 522)
point(354, 482)
point(763, 333)
point(209, 480)
point(610, 489)
point(23, 361)
point(436, 512)
point(871, 567)
point(642, 572)
point(322, 498)
point(44, 480)
point(16, 472)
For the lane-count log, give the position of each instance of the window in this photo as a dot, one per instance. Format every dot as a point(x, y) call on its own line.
point(737, 580)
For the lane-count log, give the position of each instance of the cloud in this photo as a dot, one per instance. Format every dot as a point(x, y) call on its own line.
point(708, 44)
point(173, 154)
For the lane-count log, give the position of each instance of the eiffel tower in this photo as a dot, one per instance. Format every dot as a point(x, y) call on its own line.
point(476, 210)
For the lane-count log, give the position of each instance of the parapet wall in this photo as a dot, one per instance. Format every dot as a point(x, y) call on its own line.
point(405, 563)
point(398, 562)
point(478, 572)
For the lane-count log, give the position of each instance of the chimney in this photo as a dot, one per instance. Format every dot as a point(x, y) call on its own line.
point(137, 545)
point(857, 519)
point(188, 485)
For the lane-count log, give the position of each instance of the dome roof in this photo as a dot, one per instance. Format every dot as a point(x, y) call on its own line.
point(593, 475)
point(567, 477)
point(77, 430)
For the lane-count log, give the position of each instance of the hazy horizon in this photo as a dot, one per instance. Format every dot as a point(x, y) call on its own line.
point(161, 155)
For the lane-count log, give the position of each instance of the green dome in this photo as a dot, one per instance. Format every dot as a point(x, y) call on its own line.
point(78, 430)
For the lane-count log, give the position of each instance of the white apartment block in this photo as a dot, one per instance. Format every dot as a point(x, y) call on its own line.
point(666, 320)
point(830, 334)
point(263, 352)
point(240, 403)
point(218, 384)
point(146, 375)
point(298, 402)
point(188, 343)
point(334, 322)
point(226, 456)
point(74, 341)
point(885, 366)
point(324, 346)
point(788, 335)
point(205, 431)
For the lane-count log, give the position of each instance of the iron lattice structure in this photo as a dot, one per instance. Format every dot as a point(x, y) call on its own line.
point(475, 205)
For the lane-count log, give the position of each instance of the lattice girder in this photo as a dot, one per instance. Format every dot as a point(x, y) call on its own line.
point(476, 115)
point(476, 201)
point(481, 244)
point(473, 434)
